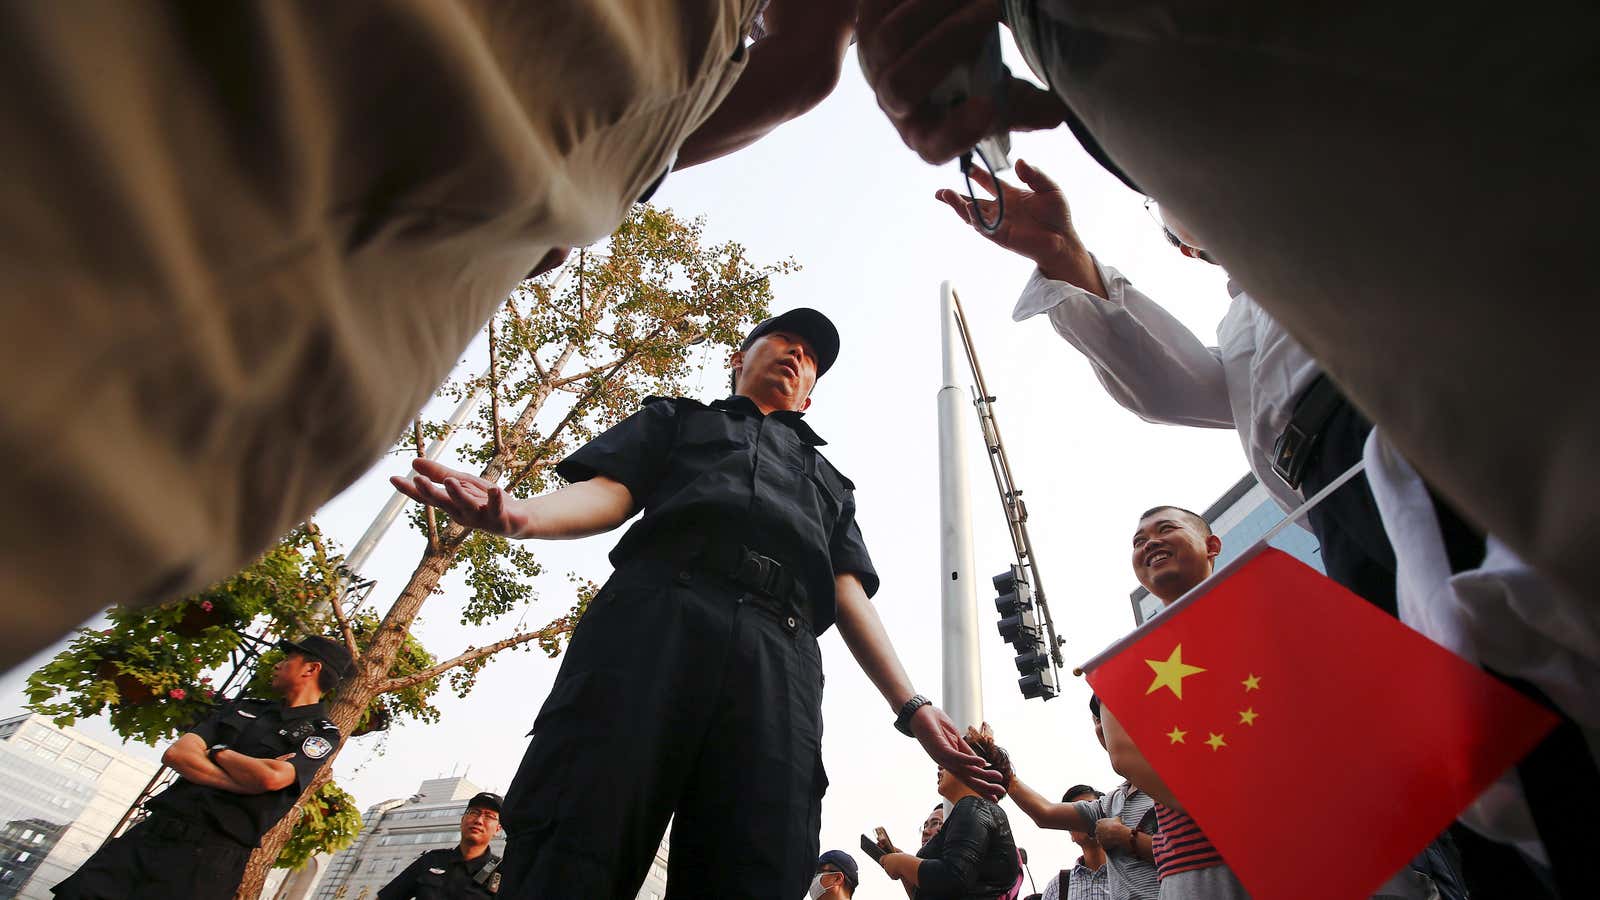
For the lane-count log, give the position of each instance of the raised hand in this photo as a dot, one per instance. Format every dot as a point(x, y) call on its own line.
point(907, 47)
point(983, 742)
point(1037, 224)
point(467, 499)
point(943, 744)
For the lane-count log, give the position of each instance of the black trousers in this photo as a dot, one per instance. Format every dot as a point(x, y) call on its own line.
point(680, 696)
point(159, 859)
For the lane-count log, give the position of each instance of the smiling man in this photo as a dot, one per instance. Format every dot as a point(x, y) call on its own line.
point(692, 688)
point(456, 873)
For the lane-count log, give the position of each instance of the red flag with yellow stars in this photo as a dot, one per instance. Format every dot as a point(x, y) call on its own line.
point(1318, 743)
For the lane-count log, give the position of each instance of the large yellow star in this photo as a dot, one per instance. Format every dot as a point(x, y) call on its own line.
point(1176, 734)
point(1252, 683)
point(1248, 716)
point(1215, 741)
point(1171, 672)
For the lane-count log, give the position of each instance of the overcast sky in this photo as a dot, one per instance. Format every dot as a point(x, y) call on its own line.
point(837, 191)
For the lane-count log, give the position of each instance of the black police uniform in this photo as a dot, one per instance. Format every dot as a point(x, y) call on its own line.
point(693, 685)
point(196, 840)
point(445, 875)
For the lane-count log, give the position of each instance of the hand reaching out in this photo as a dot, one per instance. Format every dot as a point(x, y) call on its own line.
point(1037, 224)
point(941, 740)
point(467, 499)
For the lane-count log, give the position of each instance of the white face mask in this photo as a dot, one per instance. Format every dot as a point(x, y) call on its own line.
point(817, 888)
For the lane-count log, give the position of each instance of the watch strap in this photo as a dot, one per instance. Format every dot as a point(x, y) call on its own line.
point(902, 722)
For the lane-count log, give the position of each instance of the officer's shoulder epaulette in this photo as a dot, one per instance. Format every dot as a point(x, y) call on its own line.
point(680, 402)
point(327, 725)
point(843, 478)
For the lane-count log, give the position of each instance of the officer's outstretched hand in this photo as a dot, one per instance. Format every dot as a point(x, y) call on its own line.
point(942, 741)
point(1037, 224)
point(467, 499)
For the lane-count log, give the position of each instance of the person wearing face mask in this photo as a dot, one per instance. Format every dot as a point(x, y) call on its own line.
point(836, 877)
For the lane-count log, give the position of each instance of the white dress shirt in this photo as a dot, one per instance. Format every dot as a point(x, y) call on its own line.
point(1158, 369)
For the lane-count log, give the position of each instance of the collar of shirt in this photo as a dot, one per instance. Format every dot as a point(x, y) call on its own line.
point(308, 711)
point(1080, 865)
point(793, 418)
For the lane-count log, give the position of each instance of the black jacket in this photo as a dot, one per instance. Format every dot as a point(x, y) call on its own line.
point(972, 858)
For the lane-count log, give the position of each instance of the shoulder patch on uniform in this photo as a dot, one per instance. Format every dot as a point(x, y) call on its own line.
point(315, 747)
point(435, 870)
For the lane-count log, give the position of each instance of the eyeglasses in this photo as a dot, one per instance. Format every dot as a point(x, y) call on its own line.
point(488, 815)
point(1153, 210)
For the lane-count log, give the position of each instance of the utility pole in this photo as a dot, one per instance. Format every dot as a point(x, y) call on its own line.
point(958, 580)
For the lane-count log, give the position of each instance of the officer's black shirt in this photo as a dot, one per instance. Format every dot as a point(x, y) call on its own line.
point(442, 875)
point(266, 730)
point(755, 480)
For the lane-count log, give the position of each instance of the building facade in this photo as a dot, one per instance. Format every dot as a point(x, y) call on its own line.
point(1241, 517)
point(396, 832)
point(61, 793)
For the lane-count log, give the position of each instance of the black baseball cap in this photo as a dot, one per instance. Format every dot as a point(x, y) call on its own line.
point(485, 800)
point(845, 863)
point(807, 323)
point(325, 650)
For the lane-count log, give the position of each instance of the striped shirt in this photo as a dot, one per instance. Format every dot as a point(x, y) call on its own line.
point(1130, 878)
point(1180, 846)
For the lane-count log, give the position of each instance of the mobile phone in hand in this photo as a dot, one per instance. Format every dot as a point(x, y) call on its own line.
point(871, 848)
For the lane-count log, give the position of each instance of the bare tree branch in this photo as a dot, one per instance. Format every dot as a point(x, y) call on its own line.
point(470, 655)
point(335, 603)
point(494, 386)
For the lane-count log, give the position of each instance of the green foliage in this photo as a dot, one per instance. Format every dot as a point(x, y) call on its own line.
point(153, 669)
point(329, 823)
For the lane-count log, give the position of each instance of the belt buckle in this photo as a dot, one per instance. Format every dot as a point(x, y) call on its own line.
point(759, 573)
point(1289, 455)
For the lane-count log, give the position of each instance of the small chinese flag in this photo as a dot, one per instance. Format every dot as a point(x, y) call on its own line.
point(1317, 742)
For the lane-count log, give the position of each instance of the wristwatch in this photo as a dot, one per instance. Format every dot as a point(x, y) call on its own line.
point(902, 722)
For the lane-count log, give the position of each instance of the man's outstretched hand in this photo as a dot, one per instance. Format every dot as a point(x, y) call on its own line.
point(942, 741)
point(982, 740)
point(908, 47)
point(1037, 224)
point(467, 499)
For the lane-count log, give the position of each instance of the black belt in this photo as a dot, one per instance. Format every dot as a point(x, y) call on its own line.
point(1297, 445)
point(761, 576)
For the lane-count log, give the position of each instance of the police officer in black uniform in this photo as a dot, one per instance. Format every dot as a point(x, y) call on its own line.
point(455, 873)
point(692, 688)
point(242, 769)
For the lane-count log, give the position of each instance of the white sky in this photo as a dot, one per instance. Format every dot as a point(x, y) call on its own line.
point(839, 192)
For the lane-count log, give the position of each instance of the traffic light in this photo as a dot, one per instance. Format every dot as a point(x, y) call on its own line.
point(1020, 627)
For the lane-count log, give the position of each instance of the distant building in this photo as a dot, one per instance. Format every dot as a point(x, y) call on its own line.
point(395, 832)
point(1240, 517)
point(60, 794)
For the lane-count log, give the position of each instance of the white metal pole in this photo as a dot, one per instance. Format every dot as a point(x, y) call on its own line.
point(963, 680)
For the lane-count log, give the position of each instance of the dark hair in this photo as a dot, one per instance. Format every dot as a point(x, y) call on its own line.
point(1079, 790)
point(1094, 707)
point(1205, 527)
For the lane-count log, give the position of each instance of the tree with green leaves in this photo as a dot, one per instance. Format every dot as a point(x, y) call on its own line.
point(570, 354)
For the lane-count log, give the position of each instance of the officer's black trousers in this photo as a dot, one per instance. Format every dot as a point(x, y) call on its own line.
point(678, 697)
point(159, 859)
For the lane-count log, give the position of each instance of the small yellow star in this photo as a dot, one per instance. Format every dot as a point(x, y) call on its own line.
point(1248, 716)
point(1252, 683)
point(1176, 734)
point(1215, 742)
point(1171, 672)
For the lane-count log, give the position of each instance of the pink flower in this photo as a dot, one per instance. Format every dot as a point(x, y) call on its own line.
point(107, 632)
point(197, 660)
point(210, 693)
point(177, 693)
point(205, 679)
point(206, 605)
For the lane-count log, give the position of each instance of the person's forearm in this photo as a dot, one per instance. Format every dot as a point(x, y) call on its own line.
point(577, 510)
point(191, 763)
point(257, 775)
point(1129, 762)
point(1144, 847)
point(791, 69)
point(863, 633)
point(1074, 265)
point(1045, 813)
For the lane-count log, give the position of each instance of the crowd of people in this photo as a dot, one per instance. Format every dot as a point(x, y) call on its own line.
point(244, 262)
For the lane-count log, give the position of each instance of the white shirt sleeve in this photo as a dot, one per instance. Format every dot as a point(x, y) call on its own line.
point(1146, 359)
